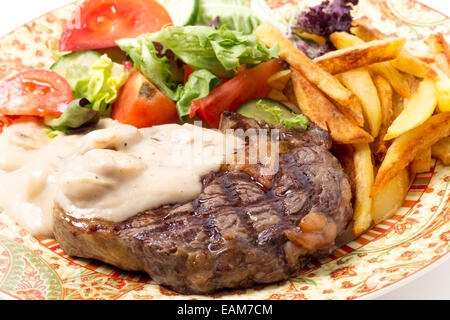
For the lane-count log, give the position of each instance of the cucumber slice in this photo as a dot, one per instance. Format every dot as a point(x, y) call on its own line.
point(73, 64)
point(251, 110)
point(183, 13)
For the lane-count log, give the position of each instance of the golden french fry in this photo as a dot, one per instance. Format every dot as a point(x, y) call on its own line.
point(362, 55)
point(400, 84)
point(417, 110)
point(279, 80)
point(385, 94)
point(405, 148)
point(362, 217)
point(440, 50)
point(361, 84)
point(290, 94)
point(363, 30)
point(324, 113)
point(408, 63)
point(443, 94)
point(398, 104)
point(387, 202)
point(422, 162)
point(404, 62)
point(346, 101)
point(395, 78)
point(342, 40)
point(278, 96)
point(441, 150)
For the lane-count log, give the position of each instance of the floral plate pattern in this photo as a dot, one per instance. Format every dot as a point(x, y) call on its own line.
point(412, 241)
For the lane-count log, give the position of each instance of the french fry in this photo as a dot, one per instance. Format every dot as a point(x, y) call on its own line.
point(441, 150)
point(342, 40)
point(440, 50)
point(362, 217)
point(385, 94)
point(290, 94)
point(400, 84)
point(404, 62)
point(360, 55)
point(395, 78)
point(361, 84)
point(278, 95)
point(443, 94)
point(363, 30)
point(346, 101)
point(408, 63)
point(417, 110)
point(422, 162)
point(405, 148)
point(387, 202)
point(398, 104)
point(322, 112)
point(279, 80)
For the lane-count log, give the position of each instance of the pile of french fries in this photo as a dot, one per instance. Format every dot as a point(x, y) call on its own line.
point(387, 110)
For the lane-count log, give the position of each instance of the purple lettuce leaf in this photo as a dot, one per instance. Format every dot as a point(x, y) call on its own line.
point(322, 20)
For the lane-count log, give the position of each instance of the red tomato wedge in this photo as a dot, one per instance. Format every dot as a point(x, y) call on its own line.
point(41, 93)
point(142, 105)
point(97, 24)
point(188, 70)
point(246, 85)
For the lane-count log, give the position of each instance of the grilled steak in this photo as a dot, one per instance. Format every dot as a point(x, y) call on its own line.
point(245, 228)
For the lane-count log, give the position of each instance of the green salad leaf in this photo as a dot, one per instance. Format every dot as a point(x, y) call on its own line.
point(297, 120)
point(219, 51)
point(146, 59)
point(235, 14)
point(199, 85)
point(78, 114)
point(102, 84)
point(92, 76)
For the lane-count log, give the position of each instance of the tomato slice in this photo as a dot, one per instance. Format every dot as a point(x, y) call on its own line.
point(142, 105)
point(188, 70)
point(246, 85)
point(41, 93)
point(97, 24)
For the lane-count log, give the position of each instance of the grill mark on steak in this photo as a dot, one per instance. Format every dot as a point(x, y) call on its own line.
point(238, 232)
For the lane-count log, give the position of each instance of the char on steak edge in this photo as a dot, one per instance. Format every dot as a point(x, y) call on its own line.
point(244, 229)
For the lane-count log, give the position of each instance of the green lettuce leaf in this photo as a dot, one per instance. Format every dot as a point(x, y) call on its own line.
point(296, 120)
point(218, 51)
point(78, 114)
point(199, 85)
point(235, 14)
point(92, 76)
point(145, 58)
point(101, 84)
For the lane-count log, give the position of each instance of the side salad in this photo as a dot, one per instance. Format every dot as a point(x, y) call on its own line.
point(177, 60)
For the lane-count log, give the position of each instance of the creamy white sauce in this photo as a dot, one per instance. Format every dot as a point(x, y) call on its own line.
point(111, 173)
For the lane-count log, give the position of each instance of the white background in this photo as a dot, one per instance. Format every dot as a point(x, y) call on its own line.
point(433, 285)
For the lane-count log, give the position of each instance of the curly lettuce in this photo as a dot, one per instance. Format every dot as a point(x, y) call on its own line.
point(234, 14)
point(154, 64)
point(213, 52)
point(199, 85)
point(295, 120)
point(220, 51)
point(321, 20)
point(79, 113)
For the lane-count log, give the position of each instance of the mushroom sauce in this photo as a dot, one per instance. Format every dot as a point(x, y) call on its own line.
point(111, 173)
